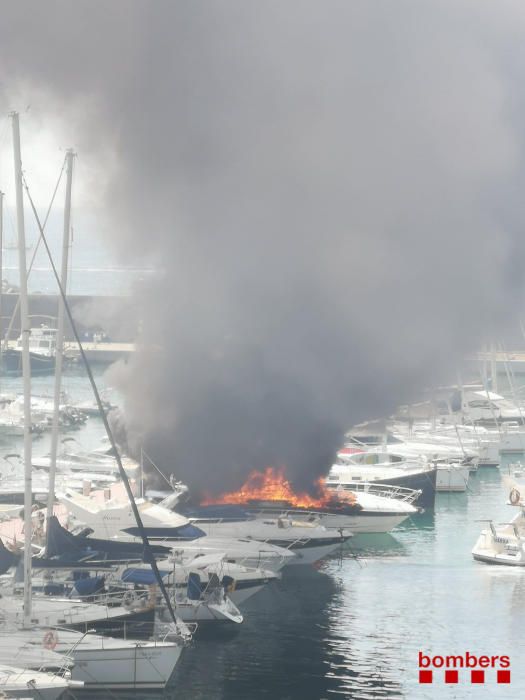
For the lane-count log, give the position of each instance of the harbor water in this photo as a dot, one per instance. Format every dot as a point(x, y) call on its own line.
point(353, 626)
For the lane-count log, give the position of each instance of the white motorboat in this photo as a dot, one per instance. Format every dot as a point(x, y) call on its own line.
point(28, 683)
point(505, 543)
point(378, 466)
point(242, 551)
point(73, 458)
point(310, 542)
point(454, 461)
point(371, 512)
point(105, 663)
point(12, 482)
point(501, 545)
point(115, 521)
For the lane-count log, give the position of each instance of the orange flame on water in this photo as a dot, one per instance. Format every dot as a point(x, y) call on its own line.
point(272, 485)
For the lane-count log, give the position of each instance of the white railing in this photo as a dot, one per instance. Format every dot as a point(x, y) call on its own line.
point(400, 493)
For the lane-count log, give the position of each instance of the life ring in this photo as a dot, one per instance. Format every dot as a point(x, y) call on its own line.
point(514, 496)
point(50, 640)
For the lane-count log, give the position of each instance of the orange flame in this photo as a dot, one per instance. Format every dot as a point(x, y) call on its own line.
point(272, 485)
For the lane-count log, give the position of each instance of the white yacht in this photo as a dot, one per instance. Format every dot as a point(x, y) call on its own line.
point(73, 459)
point(27, 683)
point(309, 542)
point(358, 508)
point(378, 466)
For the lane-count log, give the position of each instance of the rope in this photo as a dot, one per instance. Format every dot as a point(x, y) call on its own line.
point(148, 554)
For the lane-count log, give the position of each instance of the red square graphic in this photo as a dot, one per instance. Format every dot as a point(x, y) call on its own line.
point(451, 676)
point(477, 676)
point(425, 676)
point(504, 676)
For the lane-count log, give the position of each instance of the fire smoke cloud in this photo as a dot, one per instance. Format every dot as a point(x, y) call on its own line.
point(330, 191)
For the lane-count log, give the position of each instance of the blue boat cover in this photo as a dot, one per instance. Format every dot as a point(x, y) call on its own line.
point(142, 577)
point(67, 547)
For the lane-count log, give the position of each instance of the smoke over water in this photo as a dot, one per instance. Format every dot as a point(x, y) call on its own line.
point(331, 192)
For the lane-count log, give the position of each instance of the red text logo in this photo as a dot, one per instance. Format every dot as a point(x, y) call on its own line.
point(451, 668)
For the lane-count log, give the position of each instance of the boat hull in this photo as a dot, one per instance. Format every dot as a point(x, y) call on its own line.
point(360, 522)
point(40, 364)
point(452, 479)
point(310, 553)
point(502, 559)
point(144, 667)
point(370, 523)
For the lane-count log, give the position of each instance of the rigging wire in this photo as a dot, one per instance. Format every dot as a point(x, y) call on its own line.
point(147, 554)
point(17, 305)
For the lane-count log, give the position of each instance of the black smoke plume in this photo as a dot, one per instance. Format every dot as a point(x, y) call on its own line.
point(330, 192)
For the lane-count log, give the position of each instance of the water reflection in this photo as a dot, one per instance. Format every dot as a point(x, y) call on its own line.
point(297, 641)
point(354, 627)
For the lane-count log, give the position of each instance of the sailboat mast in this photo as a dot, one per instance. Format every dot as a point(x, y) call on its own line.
point(26, 367)
point(493, 369)
point(60, 332)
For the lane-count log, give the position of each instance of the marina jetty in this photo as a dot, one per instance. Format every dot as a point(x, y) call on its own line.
point(106, 324)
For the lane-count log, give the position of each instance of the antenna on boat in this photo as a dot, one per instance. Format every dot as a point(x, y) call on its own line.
point(59, 352)
point(148, 554)
point(26, 368)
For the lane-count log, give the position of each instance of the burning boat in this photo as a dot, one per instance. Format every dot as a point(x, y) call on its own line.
point(269, 493)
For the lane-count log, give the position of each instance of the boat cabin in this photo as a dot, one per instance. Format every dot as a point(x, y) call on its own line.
point(42, 341)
